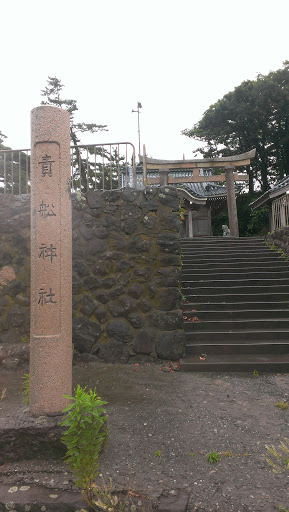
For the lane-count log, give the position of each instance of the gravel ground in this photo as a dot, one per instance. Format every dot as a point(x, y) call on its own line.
point(162, 426)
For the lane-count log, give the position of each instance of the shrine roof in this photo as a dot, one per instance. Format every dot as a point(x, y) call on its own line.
point(277, 190)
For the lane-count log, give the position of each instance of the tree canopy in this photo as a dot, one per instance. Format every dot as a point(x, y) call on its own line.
point(2, 137)
point(52, 93)
point(254, 115)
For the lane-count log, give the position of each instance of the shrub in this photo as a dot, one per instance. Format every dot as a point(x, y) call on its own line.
point(84, 438)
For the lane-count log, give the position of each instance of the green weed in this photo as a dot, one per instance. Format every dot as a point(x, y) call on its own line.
point(84, 438)
point(280, 456)
point(283, 509)
point(25, 339)
point(282, 405)
point(26, 388)
point(227, 454)
point(158, 453)
point(213, 457)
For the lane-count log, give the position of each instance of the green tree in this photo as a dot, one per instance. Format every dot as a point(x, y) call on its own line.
point(251, 223)
point(52, 92)
point(254, 115)
point(2, 137)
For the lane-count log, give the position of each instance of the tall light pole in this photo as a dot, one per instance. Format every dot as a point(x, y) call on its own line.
point(139, 105)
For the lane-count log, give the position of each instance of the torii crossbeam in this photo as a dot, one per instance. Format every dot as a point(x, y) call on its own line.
point(228, 163)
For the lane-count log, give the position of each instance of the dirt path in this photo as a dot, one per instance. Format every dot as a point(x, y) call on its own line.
point(162, 426)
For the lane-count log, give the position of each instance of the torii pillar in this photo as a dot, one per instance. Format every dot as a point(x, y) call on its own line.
point(231, 201)
point(51, 261)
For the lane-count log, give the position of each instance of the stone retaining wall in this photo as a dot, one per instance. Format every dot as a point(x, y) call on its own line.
point(126, 276)
point(280, 239)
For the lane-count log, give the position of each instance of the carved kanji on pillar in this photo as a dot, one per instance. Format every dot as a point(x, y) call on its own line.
point(51, 344)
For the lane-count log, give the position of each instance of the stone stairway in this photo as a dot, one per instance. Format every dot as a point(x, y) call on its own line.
point(236, 305)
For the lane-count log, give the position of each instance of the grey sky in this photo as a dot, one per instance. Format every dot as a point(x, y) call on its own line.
point(175, 57)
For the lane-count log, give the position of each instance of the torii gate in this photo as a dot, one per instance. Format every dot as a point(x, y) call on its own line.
point(228, 163)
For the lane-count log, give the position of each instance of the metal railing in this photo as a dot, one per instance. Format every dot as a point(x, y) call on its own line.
point(15, 171)
point(280, 213)
point(105, 166)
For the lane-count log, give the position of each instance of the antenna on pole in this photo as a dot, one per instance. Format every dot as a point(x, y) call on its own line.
point(139, 105)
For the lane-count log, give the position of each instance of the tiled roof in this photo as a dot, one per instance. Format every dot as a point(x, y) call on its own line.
point(200, 190)
point(281, 184)
point(271, 194)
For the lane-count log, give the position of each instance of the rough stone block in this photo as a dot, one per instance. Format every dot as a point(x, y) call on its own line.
point(120, 330)
point(15, 287)
point(169, 276)
point(169, 242)
point(132, 196)
point(80, 268)
point(128, 226)
point(123, 306)
point(142, 275)
point(149, 220)
point(168, 196)
point(171, 345)
point(90, 283)
point(95, 199)
point(88, 305)
point(111, 196)
point(169, 299)
point(116, 292)
point(16, 315)
point(114, 352)
point(123, 265)
point(135, 291)
point(144, 341)
point(169, 260)
point(136, 320)
point(96, 247)
point(85, 333)
point(169, 320)
point(108, 282)
point(144, 306)
point(102, 297)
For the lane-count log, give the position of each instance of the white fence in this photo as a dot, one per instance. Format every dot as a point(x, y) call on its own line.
point(280, 213)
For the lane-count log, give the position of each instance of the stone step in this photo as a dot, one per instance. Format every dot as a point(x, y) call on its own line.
point(234, 290)
point(192, 249)
point(237, 295)
point(237, 363)
point(196, 277)
point(209, 349)
point(231, 256)
point(232, 306)
point(224, 298)
point(227, 261)
point(222, 239)
point(225, 325)
point(237, 314)
point(237, 336)
point(219, 266)
point(234, 283)
point(230, 248)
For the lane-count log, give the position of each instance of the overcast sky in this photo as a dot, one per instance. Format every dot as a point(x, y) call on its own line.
point(175, 57)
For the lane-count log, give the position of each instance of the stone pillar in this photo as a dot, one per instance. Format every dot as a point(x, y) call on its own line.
point(231, 201)
point(51, 261)
point(190, 222)
point(164, 177)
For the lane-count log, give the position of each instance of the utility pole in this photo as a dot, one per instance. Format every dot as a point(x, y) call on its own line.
point(139, 105)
